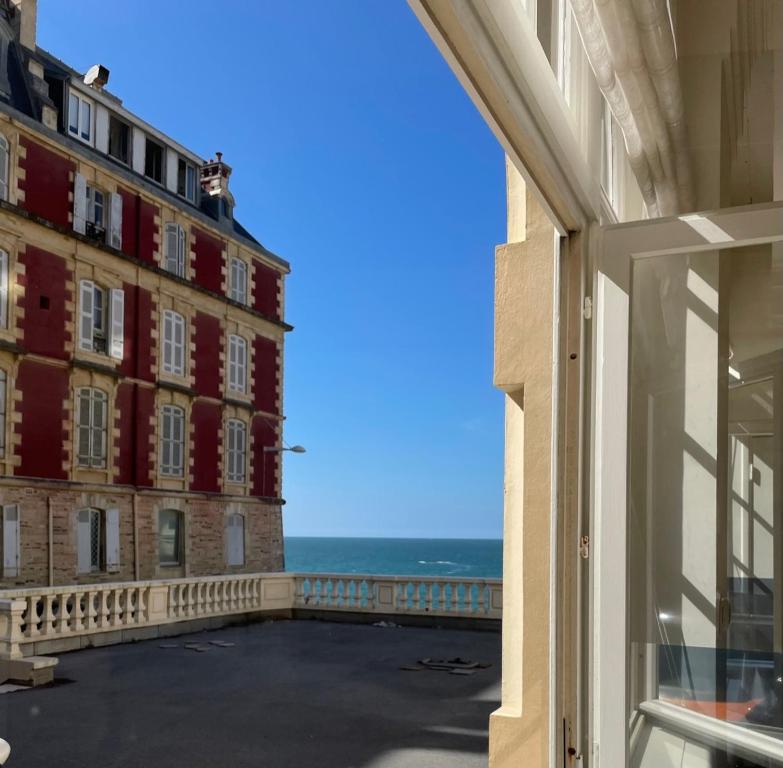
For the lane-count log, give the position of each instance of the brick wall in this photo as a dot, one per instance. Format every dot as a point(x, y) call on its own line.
point(41, 449)
point(46, 301)
point(47, 182)
point(209, 260)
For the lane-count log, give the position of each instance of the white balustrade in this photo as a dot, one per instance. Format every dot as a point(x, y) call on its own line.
point(36, 615)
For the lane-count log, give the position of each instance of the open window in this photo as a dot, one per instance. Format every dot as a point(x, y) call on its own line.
point(80, 117)
point(153, 160)
point(186, 179)
point(119, 140)
point(101, 319)
point(97, 540)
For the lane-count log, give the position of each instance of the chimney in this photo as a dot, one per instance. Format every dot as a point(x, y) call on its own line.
point(28, 11)
point(214, 183)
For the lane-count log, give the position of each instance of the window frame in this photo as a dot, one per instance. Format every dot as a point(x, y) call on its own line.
point(129, 140)
point(171, 442)
point(171, 346)
point(179, 538)
point(176, 232)
point(5, 166)
point(162, 147)
point(236, 455)
point(96, 399)
point(186, 179)
point(238, 267)
point(237, 368)
point(93, 205)
point(81, 103)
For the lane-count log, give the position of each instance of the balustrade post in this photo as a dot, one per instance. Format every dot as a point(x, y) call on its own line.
point(11, 635)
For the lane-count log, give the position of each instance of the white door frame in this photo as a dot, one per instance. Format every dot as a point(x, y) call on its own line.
point(615, 248)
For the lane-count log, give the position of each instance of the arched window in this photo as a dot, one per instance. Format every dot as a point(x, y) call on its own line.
point(172, 440)
point(5, 167)
point(236, 451)
point(91, 427)
point(237, 364)
point(170, 537)
point(235, 539)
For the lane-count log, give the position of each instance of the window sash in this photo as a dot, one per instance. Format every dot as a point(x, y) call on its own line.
point(236, 454)
point(237, 363)
point(238, 289)
point(4, 167)
point(91, 427)
point(172, 441)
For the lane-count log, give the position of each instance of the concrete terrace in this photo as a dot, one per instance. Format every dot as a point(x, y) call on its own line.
point(289, 693)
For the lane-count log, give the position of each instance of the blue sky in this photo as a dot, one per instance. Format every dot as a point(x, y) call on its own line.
point(358, 157)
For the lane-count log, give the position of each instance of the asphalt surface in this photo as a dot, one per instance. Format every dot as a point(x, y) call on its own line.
point(288, 693)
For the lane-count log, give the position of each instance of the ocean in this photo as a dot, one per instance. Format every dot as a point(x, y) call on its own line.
point(468, 558)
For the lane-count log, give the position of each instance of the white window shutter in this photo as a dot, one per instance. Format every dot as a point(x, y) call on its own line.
point(83, 548)
point(172, 160)
point(181, 252)
point(79, 203)
point(139, 150)
point(10, 540)
point(86, 314)
point(117, 319)
point(112, 539)
point(102, 129)
point(114, 232)
point(170, 258)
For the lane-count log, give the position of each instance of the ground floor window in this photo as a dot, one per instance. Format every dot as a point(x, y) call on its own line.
point(235, 539)
point(170, 537)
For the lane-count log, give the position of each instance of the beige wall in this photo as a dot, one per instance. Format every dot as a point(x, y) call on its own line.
point(524, 293)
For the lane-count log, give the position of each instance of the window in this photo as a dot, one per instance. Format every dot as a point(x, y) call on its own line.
point(172, 440)
point(174, 253)
point(80, 117)
point(97, 540)
point(3, 393)
point(173, 343)
point(153, 161)
point(5, 167)
point(170, 537)
point(119, 140)
point(101, 319)
point(237, 364)
point(10, 540)
point(235, 539)
point(186, 179)
point(236, 452)
point(237, 289)
point(3, 289)
point(91, 427)
point(96, 216)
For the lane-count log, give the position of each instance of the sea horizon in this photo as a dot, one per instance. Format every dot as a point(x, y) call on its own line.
point(458, 557)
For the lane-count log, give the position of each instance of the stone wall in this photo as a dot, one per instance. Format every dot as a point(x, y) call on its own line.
point(204, 545)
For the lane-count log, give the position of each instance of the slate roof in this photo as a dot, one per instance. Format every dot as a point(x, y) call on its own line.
point(24, 98)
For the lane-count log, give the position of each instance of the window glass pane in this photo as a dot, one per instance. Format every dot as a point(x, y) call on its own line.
point(706, 513)
point(169, 523)
point(153, 161)
point(119, 140)
point(85, 120)
point(73, 113)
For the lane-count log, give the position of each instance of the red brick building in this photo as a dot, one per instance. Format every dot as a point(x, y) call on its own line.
point(141, 342)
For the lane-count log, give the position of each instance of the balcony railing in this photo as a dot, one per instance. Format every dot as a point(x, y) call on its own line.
point(51, 619)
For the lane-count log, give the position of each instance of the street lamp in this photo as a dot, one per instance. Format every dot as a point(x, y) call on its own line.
point(277, 449)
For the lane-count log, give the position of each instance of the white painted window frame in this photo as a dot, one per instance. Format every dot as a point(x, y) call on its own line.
point(172, 441)
point(238, 272)
point(237, 364)
point(81, 103)
point(236, 451)
point(615, 248)
point(174, 249)
point(173, 344)
point(5, 166)
point(95, 429)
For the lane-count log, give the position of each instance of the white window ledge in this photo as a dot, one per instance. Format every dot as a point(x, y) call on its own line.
point(714, 733)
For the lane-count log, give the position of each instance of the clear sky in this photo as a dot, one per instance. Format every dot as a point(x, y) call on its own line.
point(357, 157)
